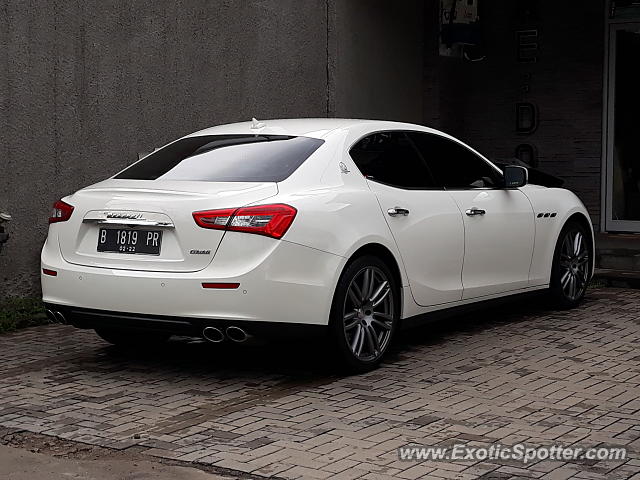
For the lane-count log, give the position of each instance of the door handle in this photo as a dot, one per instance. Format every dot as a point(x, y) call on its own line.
point(395, 211)
point(473, 211)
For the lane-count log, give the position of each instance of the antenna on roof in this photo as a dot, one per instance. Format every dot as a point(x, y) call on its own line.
point(256, 125)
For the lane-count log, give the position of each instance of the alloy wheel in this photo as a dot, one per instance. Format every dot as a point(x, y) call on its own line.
point(574, 265)
point(368, 314)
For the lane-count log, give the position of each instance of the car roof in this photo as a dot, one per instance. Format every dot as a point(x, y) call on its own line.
point(308, 127)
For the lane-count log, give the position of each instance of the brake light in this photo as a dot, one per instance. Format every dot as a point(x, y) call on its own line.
point(61, 212)
point(270, 220)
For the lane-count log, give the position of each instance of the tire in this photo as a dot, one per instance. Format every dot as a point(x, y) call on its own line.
point(361, 331)
point(571, 269)
point(132, 338)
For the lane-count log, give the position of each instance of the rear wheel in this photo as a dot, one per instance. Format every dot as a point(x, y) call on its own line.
point(132, 338)
point(571, 266)
point(364, 314)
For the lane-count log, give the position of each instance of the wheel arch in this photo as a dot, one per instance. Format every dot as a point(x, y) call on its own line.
point(580, 218)
point(561, 206)
point(383, 253)
point(583, 220)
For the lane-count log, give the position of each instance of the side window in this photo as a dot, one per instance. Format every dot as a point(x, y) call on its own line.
point(390, 158)
point(454, 166)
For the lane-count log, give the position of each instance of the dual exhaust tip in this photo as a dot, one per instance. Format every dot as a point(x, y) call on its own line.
point(233, 333)
point(55, 316)
point(211, 334)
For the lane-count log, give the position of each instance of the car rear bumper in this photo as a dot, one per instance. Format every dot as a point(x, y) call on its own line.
point(289, 284)
point(187, 326)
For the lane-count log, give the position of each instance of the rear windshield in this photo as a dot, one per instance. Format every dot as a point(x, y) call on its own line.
point(225, 158)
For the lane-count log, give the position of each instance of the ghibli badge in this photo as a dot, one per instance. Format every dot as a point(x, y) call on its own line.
point(200, 252)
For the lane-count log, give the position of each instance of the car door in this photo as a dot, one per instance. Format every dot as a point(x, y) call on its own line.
point(424, 220)
point(498, 222)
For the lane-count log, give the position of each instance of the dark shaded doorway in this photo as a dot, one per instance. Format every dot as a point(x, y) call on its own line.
point(625, 181)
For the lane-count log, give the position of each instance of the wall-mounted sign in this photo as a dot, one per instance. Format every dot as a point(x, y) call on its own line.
point(527, 41)
point(527, 51)
point(526, 117)
point(460, 33)
point(526, 153)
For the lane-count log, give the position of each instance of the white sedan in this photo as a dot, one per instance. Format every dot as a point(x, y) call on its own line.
point(345, 229)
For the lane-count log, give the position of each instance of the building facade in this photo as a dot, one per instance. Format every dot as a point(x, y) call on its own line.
point(87, 86)
point(555, 84)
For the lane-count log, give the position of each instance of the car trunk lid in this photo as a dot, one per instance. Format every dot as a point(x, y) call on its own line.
point(158, 211)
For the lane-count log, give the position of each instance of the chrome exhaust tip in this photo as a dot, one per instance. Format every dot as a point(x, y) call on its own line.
point(51, 316)
point(213, 334)
point(60, 317)
point(237, 334)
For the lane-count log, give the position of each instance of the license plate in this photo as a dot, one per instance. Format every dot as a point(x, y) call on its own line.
point(128, 240)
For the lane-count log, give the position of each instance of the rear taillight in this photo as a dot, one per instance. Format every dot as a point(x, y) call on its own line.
point(61, 212)
point(270, 220)
point(216, 219)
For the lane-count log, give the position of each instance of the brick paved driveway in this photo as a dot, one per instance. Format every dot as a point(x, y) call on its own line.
point(515, 374)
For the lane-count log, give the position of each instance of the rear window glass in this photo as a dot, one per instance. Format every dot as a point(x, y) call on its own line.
point(225, 158)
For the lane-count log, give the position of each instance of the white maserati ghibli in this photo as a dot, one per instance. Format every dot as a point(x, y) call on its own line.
point(345, 229)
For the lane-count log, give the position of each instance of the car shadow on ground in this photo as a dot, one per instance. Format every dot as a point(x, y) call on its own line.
point(510, 311)
point(304, 358)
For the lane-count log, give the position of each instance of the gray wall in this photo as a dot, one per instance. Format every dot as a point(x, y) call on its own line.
point(86, 85)
point(376, 56)
point(476, 101)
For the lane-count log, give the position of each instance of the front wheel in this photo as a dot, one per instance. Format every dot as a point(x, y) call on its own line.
point(571, 268)
point(364, 313)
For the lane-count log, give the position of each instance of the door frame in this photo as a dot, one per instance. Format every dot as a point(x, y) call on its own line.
point(607, 222)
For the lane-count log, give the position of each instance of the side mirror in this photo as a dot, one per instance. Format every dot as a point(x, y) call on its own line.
point(515, 177)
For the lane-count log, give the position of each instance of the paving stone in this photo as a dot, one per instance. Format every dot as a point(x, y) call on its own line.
point(515, 374)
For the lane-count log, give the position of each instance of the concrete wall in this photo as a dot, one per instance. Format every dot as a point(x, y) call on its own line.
point(476, 101)
point(86, 85)
point(376, 55)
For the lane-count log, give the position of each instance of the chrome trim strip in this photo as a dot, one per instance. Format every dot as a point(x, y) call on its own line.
point(132, 223)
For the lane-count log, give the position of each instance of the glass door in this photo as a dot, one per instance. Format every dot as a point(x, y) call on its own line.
point(623, 129)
